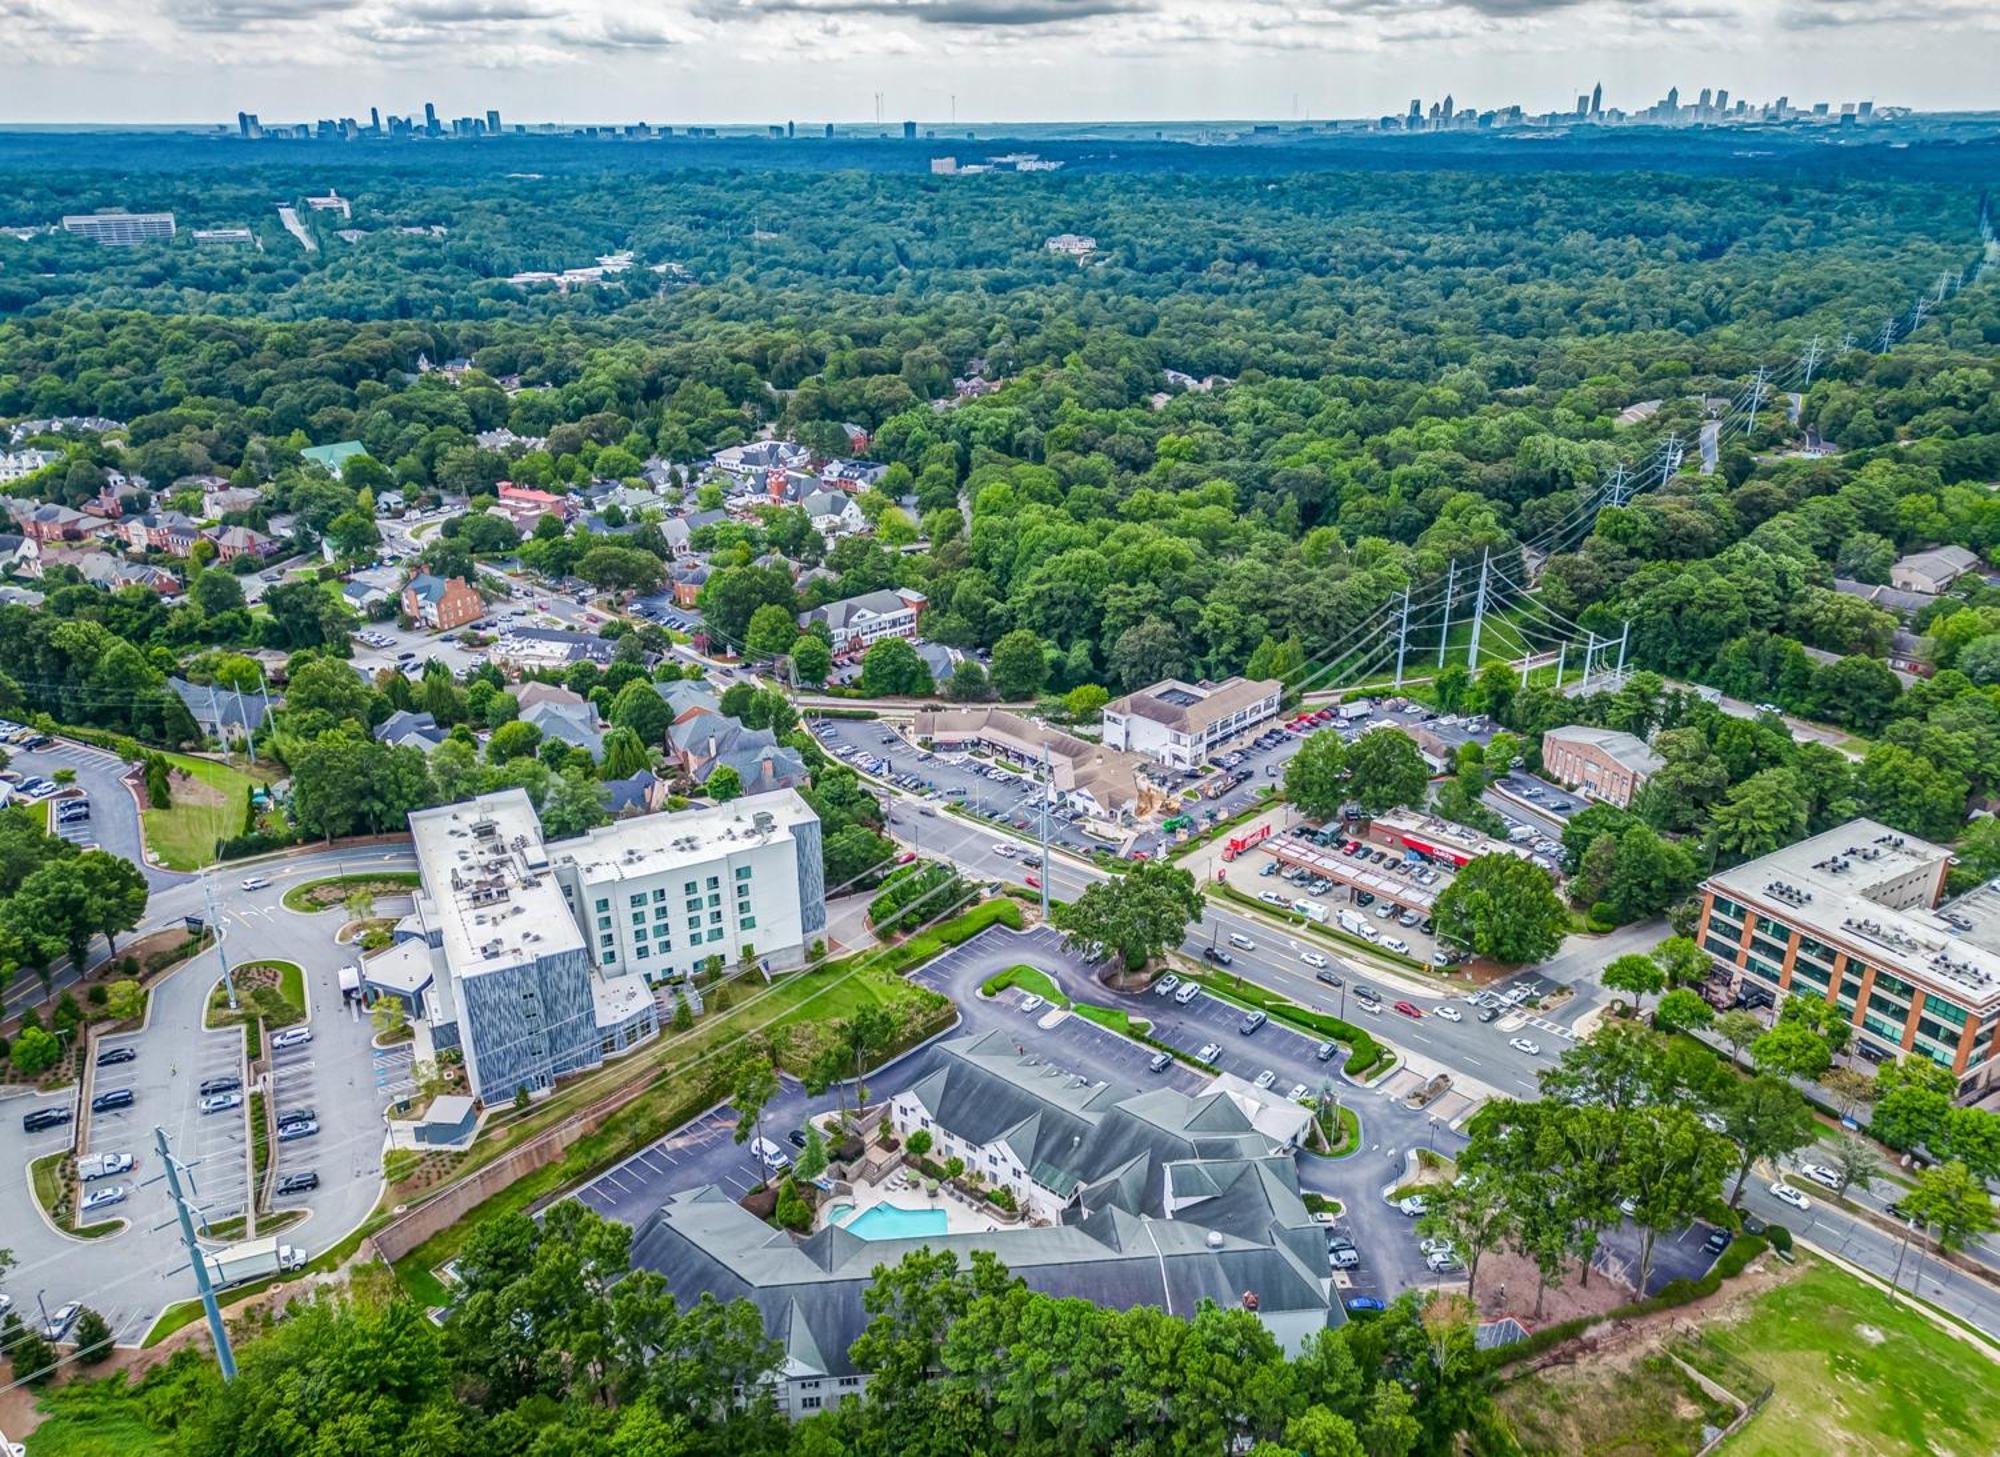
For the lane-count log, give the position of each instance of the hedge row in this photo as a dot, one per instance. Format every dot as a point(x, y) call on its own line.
point(1673, 1293)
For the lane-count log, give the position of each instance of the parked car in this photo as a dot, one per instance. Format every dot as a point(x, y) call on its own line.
point(221, 1102)
point(1165, 984)
point(1324, 1052)
point(1487, 1014)
point(1252, 1022)
point(1188, 992)
point(1217, 955)
point(289, 1132)
point(1031, 1003)
point(1341, 1253)
point(111, 1056)
point(228, 1083)
point(116, 1098)
point(1717, 1241)
point(291, 1037)
point(1210, 1053)
point(102, 1198)
point(1785, 1194)
point(1413, 1206)
point(1265, 1078)
point(1365, 1303)
point(296, 1115)
point(1159, 1062)
point(57, 1326)
point(1820, 1174)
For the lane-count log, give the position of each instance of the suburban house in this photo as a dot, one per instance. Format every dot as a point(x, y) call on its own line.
point(224, 713)
point(232, 542)
point(687, 581)
point(17, 552)
point(679, 530)
point(1904, 604)
point(331, 458)
point(1932, 571)
point(644, 793)
point(704, 742)
point(1102, 782)
point(543, 503)
point(859, 622)
point(1180, 724)
point(1156, 1198)
point(362, 595)
point(45, 522)
point(441, 603)
point(404, 727)
point(172, 532)
point(103, 569)
point(574, 724)
point(215, 504)
point(834, 513)
point(1601, 763)
point(688, 697)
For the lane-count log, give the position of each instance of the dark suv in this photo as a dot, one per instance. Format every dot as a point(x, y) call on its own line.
point(300, 1182)
point(116, 1098)
point(220, 1085)
point(42, 1118)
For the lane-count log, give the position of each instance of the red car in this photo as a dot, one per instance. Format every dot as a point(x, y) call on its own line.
point(1325, 715)
point(906, 857)
point(1410, 1009)
point(1033, 883)
point(1350, 847)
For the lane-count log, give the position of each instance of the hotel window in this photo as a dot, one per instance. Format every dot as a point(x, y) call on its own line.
point(1882, 1027)
point(660, 894)
point(660, 913)
point(605, 939)
point(715, 918)
point(603, 905)
point(638, 933)
point(1944, 1011)
point(642, 952)
point(1767, 949)
point(743, 872)
point(715, 935)
point(1888, 982)
point(639, 900)
point(714, 881)
point(690, 888)
point(749, 923)
point(1806, 971)
point(610, 958)
point(604, 923)
point(638, 918)
point(694, 903)
point(1761, 968)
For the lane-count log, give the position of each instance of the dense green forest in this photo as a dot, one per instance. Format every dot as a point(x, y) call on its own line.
point(1413, 367)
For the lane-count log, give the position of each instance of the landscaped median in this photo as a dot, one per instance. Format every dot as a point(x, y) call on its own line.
point(1031, 979)
point(338, 890)
point(271, 991)
point(54, 1178)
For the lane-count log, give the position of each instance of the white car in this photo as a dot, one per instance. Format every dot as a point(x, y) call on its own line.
point(1820, 1174)
point(1005, 852)
point(1785, 1194)
point(221, 1102)
point(1299, 1091)
point(1313, 959)
point(1414, 1205)
point(1450, 1014)
point(291, 1037)
point(1436, 1247)
point(1210, 1052)
point(1165, 984)
point(257, 882)
point(1031, 1003)
point(1522, 1044)
point(1266, 1078)
point(100, 1198)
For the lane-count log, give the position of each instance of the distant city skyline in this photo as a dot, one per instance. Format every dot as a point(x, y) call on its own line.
point(969, 61)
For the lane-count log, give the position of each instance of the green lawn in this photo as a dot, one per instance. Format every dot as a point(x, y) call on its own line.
point(1117, 1019)
point(322, 895)
point(1028, 979)
point(93, 1419)
point(1856, 1371)
point(184, 835)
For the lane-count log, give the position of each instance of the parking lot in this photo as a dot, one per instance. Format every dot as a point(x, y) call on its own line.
point(1392, 896)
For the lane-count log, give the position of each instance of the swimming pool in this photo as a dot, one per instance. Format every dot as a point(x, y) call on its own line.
point(886, 1221)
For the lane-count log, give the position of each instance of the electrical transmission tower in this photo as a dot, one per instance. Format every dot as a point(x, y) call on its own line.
point(1756, 398)
point(1618, 488)
point(1671, 452)
point(1809, 363)
point(171, 1170)
point(1479, 611)
point(1888, 334)
point(1450, 587)
point(1402, 638)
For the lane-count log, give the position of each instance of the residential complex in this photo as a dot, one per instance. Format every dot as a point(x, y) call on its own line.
point(1854, 916)
point(441, 602)
point(1601, 763)
point(539, 960)
point(1156, 1198)
point(1180, 724)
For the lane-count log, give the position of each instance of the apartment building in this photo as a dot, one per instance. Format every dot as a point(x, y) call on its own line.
point(1855, 916)
point(1179, 724)
point(857, 623)
point(543, 957)
point(441, 603)
point(1601, 763)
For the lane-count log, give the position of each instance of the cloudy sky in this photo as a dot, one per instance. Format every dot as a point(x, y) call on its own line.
point(993, 60)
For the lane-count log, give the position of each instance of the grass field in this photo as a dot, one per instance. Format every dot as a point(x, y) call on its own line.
point(1856, 1372)
point(184, 835)
point(1851, 1372)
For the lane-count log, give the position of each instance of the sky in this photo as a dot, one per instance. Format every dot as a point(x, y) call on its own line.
point(756, 61)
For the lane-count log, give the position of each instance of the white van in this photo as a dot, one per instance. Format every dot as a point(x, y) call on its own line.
point(1520, 835)
point(1396, 944)
point(1312, 910)
point(1238, 939)
point(1188, 992)
point(773, 1158)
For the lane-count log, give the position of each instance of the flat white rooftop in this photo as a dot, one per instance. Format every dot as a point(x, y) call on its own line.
point(659, 844)
point(496, 902)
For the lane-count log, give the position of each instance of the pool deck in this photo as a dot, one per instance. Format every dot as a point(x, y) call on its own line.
point(959, 1219)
